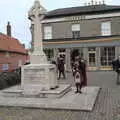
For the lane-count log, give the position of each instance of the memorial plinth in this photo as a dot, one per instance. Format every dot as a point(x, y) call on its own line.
point(40, 80)
point(39, 77)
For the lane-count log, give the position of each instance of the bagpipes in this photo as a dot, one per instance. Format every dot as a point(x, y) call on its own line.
point(77, 74)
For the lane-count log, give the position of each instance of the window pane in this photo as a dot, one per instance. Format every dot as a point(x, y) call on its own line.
point(107, 55)
point(76, 27)
point(47, 32)
point(5, 67)
point(105, 28)
point(76, 34)
point(49, 53)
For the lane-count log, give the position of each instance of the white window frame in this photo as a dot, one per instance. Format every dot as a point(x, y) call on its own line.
point(106, 28)
point(47, 32)
point(5, 67)
point(75, 30)
point(107, 59)
point(75, 27)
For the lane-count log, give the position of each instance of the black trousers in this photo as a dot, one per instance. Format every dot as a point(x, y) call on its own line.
point(79, 86)
point(61, 72)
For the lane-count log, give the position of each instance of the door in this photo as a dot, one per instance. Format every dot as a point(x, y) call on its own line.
point(92, 59)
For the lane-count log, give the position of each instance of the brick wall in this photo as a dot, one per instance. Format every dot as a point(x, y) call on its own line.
point(12, 60)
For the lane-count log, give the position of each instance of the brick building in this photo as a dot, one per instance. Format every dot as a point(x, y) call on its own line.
point(12, 52)
point(93, 30)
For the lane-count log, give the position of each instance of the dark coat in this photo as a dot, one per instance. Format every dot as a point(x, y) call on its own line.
point(82, 67)
point(60, 64)
point(116, 65)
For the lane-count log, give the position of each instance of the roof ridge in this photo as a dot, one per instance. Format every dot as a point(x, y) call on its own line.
point(8, 36)
point(11, 44)
point(90, 9)
point(79, 7)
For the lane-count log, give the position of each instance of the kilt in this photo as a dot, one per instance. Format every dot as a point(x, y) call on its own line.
point(77, 77)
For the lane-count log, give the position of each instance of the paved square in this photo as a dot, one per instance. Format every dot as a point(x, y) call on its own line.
point(70, 101)
point(107, 105)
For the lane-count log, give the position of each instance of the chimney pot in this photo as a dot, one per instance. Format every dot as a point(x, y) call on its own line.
point(9, 29)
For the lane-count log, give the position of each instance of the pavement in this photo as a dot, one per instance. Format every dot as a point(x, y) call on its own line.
point(70, 101)
point(107, 105)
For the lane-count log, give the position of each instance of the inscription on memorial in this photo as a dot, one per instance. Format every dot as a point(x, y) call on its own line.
point(34, 75)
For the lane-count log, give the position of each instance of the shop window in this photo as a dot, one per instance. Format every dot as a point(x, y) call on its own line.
point(49, 53)
point(107, 55)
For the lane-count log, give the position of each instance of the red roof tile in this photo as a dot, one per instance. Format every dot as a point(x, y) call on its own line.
point(11, 44)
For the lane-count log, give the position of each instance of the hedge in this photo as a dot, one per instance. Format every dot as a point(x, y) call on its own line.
point(8, 79)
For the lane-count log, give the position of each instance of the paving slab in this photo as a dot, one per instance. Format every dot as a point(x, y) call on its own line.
point(70, 101)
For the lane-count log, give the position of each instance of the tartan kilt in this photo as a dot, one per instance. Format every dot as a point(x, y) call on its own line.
point(77, 77)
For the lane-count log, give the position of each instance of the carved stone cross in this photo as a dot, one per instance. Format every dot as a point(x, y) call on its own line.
point(36, 14)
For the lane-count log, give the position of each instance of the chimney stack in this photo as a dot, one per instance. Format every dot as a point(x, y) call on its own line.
point(9, 29)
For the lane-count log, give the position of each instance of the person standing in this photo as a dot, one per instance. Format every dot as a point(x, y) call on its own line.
point(117, 69)
point(77, 76)
point(60, 66)
point(114, 64)
point(82, 67)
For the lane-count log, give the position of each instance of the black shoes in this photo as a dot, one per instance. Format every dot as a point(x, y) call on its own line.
point(78, 92)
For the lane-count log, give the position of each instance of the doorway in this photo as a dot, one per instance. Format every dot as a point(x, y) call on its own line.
point(92, 57)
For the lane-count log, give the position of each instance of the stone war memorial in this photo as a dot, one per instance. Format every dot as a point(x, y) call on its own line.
point(39, 76)
point(39, 87)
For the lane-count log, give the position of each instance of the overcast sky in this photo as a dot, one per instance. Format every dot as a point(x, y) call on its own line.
point(16, 11)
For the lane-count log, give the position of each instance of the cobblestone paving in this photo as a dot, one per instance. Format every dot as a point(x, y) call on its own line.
point(107, 106)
